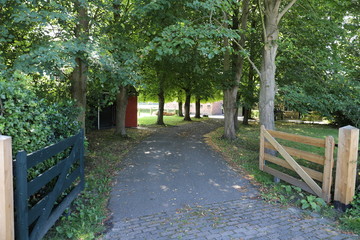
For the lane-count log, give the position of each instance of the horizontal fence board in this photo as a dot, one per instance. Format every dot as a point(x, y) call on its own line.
point(289, 179)
point(50, 151)
point(40, 181)
point(311, 183)
point(312, 157)
point(312, 173)
point(298, 138)
point(56, 213)
point(37, 209)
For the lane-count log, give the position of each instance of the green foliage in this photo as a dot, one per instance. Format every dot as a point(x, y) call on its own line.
point(351, 219)
point(32, 122)
point(312, 202)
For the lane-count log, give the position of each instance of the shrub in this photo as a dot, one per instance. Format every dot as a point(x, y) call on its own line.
point(33, 123)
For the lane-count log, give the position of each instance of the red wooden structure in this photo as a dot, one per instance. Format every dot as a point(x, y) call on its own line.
point(131, 119)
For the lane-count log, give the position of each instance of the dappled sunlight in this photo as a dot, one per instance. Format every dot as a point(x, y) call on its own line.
point(164, 188)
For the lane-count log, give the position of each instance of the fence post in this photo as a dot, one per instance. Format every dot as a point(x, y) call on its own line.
point(346, 166)
point(262, 148)
point(6, 190)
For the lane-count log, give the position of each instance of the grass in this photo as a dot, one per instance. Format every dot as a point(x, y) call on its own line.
point(88, 214)
point(168, 120)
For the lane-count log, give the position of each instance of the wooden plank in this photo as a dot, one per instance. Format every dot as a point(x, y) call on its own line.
point(289, 179)
point(312, 157)
point(328, 167)
point(346, 164)
point(312, 173)
point(7, 231)
point(262, 148)
point(21, 201)
point(298, 138)
point(312, 184)
point(50, 151)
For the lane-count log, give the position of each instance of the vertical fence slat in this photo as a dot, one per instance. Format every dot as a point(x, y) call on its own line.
point(82, 164)
point(346, 166)
point(328, 167)
point(6, 190)
point(262, 149)
point(21, 203)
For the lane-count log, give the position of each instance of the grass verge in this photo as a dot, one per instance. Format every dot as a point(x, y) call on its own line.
point(86, 218)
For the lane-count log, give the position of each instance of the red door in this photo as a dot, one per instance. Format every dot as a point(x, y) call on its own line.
point(131, 112)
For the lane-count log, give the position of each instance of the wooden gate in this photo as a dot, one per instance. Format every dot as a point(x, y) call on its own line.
point(309, 177)
point(37, 206)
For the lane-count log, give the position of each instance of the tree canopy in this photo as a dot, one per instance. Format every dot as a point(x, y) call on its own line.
point(92, 51)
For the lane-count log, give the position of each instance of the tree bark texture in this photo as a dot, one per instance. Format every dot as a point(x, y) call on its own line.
point(80, 72)
point(78, 88)
point(121, 104)
point(272, 17)
point(187, 105)
point(230, 94)
point(180, 109)
point(197, 108)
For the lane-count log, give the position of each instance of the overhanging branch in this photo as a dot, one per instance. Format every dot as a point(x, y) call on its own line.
point(285, 10)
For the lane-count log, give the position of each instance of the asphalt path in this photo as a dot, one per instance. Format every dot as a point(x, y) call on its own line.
point(172, 169)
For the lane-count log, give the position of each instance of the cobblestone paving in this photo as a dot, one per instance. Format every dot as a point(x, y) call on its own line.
point(240, 219)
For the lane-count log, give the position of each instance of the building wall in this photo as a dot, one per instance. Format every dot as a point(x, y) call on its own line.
point(205, 108)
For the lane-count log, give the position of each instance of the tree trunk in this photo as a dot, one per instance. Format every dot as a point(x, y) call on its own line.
point(78, 88)
point(180, 113)
point(272, 17)
point(247, 113)
point(121, 104)
point(80, 72)
point(268, 67)
point(197, 107)
point(160, 116)
point(187, 105)
point(230, 94)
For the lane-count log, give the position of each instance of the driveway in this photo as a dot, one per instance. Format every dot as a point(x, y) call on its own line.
point(174, 186)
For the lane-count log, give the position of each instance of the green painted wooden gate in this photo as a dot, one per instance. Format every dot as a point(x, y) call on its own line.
point(41, 200)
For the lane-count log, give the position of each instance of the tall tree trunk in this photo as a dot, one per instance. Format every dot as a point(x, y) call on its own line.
point(247, 113)
point(160, 116)
point(180, 109)
point(187, 105)
point(272, 17)
point(121, 104)
point(197, 107)
point(161, 98)
point(78, 88)
point(230, 94)
point(236, 119)
point(80, 72)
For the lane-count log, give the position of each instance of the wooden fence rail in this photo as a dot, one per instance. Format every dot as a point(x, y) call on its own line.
point(308, 176)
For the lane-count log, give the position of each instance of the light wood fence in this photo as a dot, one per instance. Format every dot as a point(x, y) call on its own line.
point(309, 178)
point(6, 190)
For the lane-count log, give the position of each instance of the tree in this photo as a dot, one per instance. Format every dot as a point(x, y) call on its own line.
point(232, 86)
point(271, 20)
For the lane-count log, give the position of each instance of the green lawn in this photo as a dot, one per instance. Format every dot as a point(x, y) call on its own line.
point(168, 120)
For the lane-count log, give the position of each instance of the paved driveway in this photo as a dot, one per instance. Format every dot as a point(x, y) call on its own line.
point(174, 186)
